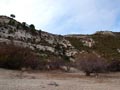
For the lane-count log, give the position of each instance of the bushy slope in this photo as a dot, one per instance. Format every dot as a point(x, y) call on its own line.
point(107, 44)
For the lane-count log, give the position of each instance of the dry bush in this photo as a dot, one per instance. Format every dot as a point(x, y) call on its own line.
point(114, 65)
point(90, 63)
point(13, 57)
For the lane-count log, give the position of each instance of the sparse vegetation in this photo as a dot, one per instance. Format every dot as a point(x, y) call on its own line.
point(106, 45)
point(78, 44)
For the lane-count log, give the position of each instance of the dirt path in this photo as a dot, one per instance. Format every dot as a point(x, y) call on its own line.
point(11, 80)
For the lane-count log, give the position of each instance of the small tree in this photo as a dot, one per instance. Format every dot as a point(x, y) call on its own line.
point(11, 21)
point(32, 28)
point(12, 15)
point(25, 26)
point(90, 63)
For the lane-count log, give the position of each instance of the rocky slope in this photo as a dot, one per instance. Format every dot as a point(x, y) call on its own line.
point(104, 43)
point(21, 34)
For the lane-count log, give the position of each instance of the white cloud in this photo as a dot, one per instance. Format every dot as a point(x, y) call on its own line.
point(65, 16)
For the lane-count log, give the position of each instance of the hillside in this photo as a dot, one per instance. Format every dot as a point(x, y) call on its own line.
point(21, 34)
point(22, 45)
point(105, 43)
point(16, 37)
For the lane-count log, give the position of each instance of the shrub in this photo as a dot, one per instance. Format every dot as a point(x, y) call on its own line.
point(32, 29)
point(114, 65)
point(31, 61)
point(11, 22)
point(24, 25)
point(91, 63)
point(13, 57)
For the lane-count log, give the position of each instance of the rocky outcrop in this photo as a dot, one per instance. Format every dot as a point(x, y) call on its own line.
point(12, 31)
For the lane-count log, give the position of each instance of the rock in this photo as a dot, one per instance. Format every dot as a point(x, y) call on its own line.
point(53, 84)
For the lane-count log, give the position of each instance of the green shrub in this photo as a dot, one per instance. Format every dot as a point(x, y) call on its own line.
point(24, 26)
point(12, 22)
point(32, 29)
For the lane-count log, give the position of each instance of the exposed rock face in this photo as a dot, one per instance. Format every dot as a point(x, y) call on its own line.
point(84, 39)
point(88, 42)
point(20, 34)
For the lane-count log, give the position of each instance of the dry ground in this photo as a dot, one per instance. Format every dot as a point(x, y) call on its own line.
point(56, 80)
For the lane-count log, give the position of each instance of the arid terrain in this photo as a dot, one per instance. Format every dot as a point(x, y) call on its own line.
point(56, 80)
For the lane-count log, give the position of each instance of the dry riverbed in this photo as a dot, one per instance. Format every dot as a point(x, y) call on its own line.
point(56, 80)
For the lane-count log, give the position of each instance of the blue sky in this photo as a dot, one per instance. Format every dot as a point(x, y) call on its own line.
point(66, 16)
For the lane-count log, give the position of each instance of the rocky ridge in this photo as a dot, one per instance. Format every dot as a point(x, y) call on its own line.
point(20, 34)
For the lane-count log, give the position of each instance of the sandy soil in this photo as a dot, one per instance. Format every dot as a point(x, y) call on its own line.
point(15, 80)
